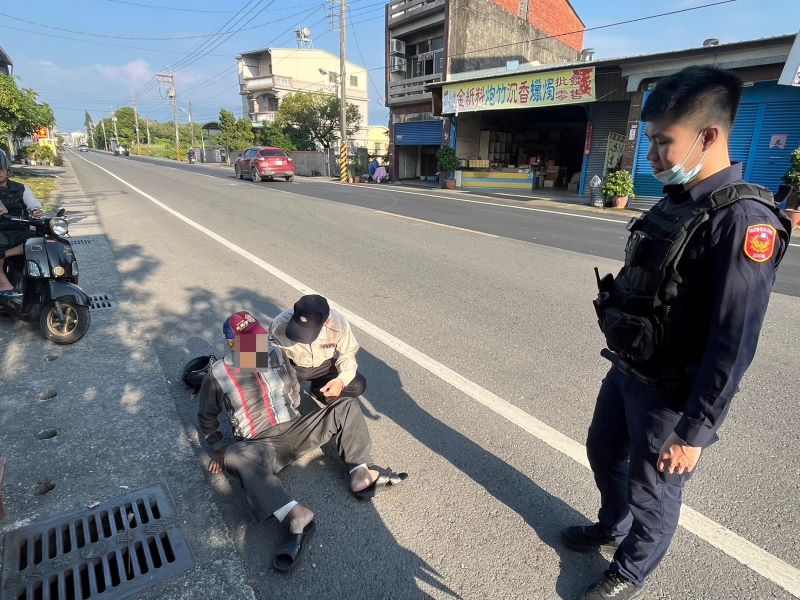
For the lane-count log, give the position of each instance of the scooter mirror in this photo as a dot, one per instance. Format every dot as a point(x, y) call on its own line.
point(61, 212)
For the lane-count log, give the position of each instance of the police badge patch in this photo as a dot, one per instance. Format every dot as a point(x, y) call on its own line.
point(759, 242)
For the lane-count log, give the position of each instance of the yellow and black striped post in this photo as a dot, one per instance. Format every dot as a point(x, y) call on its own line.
point(344, 168)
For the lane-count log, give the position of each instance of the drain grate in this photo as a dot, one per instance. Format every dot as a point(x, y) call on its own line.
point(112, 551)
point(100, 302)
point(80, 241)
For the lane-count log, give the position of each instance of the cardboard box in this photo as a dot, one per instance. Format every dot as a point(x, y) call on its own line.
point(549, 183)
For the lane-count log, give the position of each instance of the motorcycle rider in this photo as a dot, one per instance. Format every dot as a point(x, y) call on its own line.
point(192, 155)
point(16, 198)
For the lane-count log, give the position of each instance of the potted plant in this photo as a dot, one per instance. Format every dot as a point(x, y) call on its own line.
point(618, 186)
point(446, 157)
point(792, 178)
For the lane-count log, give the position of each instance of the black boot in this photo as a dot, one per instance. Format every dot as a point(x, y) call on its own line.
point(589, 538)
point(612, 586)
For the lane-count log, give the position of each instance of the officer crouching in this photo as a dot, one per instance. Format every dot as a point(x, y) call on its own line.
point(681, 321)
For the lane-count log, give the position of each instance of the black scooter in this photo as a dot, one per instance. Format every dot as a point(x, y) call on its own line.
point(47, 277)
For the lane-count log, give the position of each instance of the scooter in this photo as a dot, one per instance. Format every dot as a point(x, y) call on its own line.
point(47, 277)
point(192, 160)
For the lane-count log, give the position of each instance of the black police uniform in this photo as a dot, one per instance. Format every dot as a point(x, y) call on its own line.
point(683, 317)
point(13, 234)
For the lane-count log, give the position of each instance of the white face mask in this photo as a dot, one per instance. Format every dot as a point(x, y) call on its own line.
point(677, 175)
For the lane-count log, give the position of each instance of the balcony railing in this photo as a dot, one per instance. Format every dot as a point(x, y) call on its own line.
point(258, 84)
point(263, 116)
point(406, 9)
point(411, 90)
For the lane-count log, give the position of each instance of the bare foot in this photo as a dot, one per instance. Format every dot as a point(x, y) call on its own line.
point(362, 478)
point(299, 517)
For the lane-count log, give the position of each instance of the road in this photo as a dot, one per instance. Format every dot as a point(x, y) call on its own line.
point(482, 355)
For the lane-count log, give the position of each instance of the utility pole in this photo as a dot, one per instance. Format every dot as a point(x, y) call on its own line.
point(105, 140)
point(136, 121)
point(173, 94)
point(147, 126)
point(344, 167)
point(114, 121)
point(191, 124)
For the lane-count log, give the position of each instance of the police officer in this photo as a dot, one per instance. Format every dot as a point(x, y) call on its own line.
point(321, 346)
point(681, 321)
point(17, 198)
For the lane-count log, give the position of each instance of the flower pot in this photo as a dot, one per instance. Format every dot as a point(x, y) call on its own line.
point(620, 201)
point(794, 216)
point(450, 184)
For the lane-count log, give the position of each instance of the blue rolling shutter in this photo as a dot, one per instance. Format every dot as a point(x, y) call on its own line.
point(418, 133)
point(742, 134)
point(770, 164)
point(644, 184)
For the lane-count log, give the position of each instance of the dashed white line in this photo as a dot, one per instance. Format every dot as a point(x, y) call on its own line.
point(742, 550)
point(391, 214)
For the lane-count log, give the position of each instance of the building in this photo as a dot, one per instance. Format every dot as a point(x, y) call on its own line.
point(6, 66)
point(268, 75)
point(429, 41)
point(557, 126)
point(378, 143)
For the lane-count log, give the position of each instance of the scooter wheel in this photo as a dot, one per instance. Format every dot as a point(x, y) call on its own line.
point(68, 330)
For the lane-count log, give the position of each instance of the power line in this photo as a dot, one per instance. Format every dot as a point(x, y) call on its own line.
point(363, 60)
point(151, 6)
point(606, 26)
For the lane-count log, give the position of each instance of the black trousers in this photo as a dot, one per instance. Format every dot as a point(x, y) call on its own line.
point(639, 505)
point(320, 376)
point(256, 463)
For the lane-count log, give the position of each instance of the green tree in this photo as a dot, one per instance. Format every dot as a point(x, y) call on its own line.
point(126, 125)
point(233, 134)
point(20, 113)
point(312, 119)
point(272, 135)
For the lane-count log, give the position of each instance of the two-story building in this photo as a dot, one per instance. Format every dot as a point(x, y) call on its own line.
point(268, 75)
point(6, 66)
point(428, 41)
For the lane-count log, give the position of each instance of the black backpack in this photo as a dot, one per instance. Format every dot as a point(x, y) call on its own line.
point(195, 371)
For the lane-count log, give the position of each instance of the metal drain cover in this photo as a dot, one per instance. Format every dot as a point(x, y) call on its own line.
point(114, 550)
point(100, 302)
point(80, 241)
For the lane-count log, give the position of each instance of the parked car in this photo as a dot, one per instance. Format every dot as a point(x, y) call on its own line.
point(121, 150)
point(83, 148)
point(264, 162)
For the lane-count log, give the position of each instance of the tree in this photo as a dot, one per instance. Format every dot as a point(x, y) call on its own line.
point(312, 119)
point(126, 125)
point(272, 135)
point(233, 134)
point(20, 113)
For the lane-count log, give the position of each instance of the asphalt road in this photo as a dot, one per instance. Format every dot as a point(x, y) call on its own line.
point(512, 316)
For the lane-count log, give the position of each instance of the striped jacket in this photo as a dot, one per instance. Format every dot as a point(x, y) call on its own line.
point(254, 401)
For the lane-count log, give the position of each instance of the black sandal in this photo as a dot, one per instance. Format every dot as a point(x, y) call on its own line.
point(286, 558)
point(387, 480)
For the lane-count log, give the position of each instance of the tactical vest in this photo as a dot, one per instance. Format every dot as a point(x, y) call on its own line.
point(11, 197)
point(636, 313)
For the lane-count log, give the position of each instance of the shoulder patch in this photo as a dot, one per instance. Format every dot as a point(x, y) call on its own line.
point(759, 242)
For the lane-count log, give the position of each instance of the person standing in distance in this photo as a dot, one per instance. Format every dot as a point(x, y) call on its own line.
point(681, 322)
point(320, 344)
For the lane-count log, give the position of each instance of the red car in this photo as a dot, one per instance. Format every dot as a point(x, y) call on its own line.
point(264, 162)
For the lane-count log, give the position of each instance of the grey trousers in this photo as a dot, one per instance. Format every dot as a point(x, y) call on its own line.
point(256, 463)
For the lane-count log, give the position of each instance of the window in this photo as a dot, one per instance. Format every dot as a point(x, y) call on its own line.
point(279, 153)
point(353, 80)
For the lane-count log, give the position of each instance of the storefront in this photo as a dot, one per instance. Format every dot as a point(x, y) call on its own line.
point(765, 132)
point(415, 146)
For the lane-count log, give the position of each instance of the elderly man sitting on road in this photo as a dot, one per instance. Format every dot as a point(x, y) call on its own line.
point(256, 387)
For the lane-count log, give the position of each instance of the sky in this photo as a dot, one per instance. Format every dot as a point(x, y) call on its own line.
point(93, 54)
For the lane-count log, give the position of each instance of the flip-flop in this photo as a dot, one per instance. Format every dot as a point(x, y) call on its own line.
point(387, 480)
point(287, 556)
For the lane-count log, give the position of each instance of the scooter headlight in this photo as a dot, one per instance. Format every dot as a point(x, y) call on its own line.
point(59, 227)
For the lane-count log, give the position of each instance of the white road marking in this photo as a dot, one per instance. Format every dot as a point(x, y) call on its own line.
point(391, 214)
point(795, 245)
point(742, 550)
point(441, 197)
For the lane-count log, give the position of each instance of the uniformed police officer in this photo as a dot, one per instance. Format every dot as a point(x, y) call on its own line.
point(17, 198)
point(319, 342)
point(681, 321)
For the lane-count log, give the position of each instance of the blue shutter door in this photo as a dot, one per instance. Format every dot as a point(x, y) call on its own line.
point(644, 184)
point(769, 165)
point(742, 134)
point(418, 133)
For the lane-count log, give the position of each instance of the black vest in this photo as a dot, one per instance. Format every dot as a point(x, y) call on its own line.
point(11, 197)
point(637, 315)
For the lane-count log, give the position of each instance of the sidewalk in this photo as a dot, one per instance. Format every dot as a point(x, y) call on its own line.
point(86, 423)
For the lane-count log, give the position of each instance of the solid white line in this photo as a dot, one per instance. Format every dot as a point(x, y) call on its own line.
point(391, 214)
point(759, 560)
point(795, 245)
point(528, 208)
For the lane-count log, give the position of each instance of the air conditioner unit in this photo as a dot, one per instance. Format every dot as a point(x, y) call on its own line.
point(397, 47)
point(398, 64)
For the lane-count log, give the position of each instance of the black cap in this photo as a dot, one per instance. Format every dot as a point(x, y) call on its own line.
point(3, 160)
point(310, 314)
